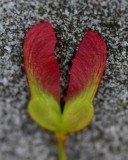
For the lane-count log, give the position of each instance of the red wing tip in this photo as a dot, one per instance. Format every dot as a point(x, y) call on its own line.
point(41, 24)
point(36, 28)
point(97, 36)
point(93, 33)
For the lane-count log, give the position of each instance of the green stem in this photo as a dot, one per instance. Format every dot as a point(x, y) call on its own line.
point(61, 151)
point(61, 138)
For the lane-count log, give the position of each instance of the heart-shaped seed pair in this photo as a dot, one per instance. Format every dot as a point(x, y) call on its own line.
point(43, 77)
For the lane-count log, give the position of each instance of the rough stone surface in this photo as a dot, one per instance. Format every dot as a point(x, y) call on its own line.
point(107, 136)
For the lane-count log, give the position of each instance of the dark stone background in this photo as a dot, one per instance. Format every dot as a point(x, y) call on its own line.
point(107, 137)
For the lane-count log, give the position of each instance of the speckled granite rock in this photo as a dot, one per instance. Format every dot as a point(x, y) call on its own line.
point(107, 136)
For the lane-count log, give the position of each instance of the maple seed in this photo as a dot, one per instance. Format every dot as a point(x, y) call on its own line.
point(45, 106)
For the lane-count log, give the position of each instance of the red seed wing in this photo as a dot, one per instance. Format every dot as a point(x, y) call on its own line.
point(39, 59)
point(88, 65)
